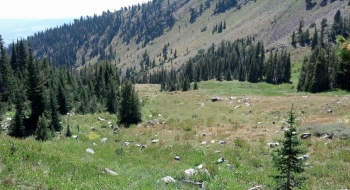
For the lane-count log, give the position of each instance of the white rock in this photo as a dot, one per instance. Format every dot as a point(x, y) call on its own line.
point(110, 171)
point(89, 150)
point(74, 136)
point(177, 158)
point(103, 140)
point(190, 172)
point(212, 141)
point(221, 160)
point(221, 142)
point(168, 179)
point(126, 143)
point(155, 141)
point(200, 166)
point(203, 143)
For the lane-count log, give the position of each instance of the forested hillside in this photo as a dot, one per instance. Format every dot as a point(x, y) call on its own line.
point(174, 43)
point(179, 29)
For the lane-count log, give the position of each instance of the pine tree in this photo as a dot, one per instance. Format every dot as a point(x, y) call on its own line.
point(36, 90)
point(314, 40)
point(17, 128)
point(55, 116)
point(68, 132)
point(113, 95)
point(294, 41)
point(286, 159)
point(43, 131)
point(130, 110)
point(195, 86)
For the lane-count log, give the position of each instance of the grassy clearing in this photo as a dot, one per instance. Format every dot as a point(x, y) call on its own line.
point(63, 163)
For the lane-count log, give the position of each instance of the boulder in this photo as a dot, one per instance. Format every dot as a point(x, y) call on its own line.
point(90, 150)
point(221, 143)
point(190, 172)
point(220, 160)
point(305, 135)
point(168, 179)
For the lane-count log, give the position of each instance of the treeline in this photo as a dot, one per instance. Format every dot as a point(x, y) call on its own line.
point(323, 70)
point(40, 93)
point(243, 60)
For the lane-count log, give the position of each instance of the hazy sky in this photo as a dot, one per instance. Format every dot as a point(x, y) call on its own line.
point(42, 9)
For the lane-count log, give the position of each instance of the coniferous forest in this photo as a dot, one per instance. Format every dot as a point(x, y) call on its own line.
point(40, 92)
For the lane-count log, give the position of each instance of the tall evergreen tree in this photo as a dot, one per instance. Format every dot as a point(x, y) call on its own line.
point(314, 41)
point(130, 110)
point(286, 159)
point(113, 96)
point(36, 90)
point(43, 131)
point(55, 116)
point(17, 127)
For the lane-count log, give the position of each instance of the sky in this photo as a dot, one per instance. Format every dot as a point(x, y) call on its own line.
point(47, 9)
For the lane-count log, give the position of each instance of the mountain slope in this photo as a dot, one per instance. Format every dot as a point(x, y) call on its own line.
point(168, 26)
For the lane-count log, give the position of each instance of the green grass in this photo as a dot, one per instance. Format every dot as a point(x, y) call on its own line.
point(63, 163)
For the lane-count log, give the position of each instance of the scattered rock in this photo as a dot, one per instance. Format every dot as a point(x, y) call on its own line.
point(214, 99)
point(238, 106)
point(200, 166)
point(177, 158)
point(221, 143)
point(110, 171)
point(155, 141)
point(229, 166)
point(190, 172)
point(126, 143)
point(329, 111)
point(273, 144)
point(305, 135)
point(168, 179)
point(303, 111)
point(90, 150)
point(220, 160)
point(100, 119)
point(93, 129)
point(103, 140)
point(326, 136)
point(203, 143)
point(74, 136)
point(212, 141)
point(143, 146)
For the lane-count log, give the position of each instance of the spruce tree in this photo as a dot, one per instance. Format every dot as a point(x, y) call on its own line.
point(55, 116)
point(314, 40)
point(36, 90)
point(129, 110)
point(68, 132)
point(286, 159)
point(113, 95)
point(195, 86)
point(17, 128)
point(43, 131)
